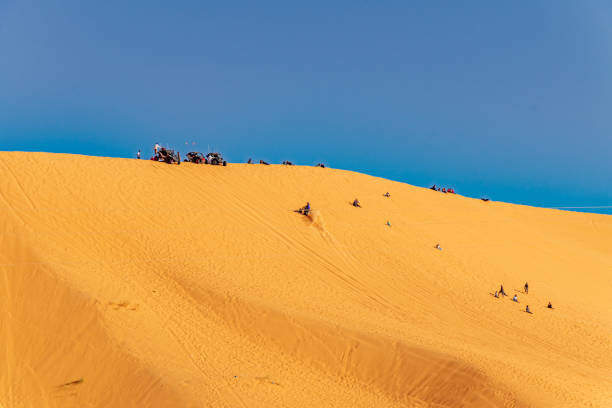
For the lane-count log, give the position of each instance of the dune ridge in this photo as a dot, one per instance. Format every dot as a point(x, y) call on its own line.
point(135, 283)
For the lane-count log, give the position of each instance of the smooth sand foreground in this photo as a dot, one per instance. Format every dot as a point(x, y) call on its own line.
point(131, 283)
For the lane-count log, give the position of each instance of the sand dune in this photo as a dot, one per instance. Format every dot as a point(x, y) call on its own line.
point(134, 283)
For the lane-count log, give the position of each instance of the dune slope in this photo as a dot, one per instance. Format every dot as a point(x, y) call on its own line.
point(134, 283)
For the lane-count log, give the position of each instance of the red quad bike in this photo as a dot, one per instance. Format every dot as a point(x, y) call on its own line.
point(195, 157)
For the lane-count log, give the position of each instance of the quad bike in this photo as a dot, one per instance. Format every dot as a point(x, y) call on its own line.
point(215, 159)
point(195, 157)
point(167, 156)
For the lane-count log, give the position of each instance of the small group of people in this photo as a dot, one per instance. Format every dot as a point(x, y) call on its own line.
point(443, 189)
point(156, 149)
point(285, 162)
point(501, 292)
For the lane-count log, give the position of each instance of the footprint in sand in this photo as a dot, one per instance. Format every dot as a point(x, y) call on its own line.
point(123, 305)
point(266, 380)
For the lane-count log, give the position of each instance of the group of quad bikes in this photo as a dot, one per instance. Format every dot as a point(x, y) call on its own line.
point(173, 157)
point(211, 158)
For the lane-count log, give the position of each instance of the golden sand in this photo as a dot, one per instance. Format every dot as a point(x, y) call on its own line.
point(132, 283)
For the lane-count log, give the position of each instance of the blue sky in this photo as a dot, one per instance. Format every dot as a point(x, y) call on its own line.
point(512, 100)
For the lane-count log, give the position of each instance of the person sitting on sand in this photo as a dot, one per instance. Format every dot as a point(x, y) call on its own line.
point(515, 299)
point(250, 161)
point(356, 203)
point(433, 187)
point(438, 247)
point(444, 189)
point(388, 224)
point(549, 305)
point(387, 194)
point(496, 294)
point(305, 209)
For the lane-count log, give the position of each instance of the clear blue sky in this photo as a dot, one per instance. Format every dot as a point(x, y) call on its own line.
point(507, 99)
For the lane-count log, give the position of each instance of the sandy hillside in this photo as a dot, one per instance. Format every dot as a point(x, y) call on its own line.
point(131, 283)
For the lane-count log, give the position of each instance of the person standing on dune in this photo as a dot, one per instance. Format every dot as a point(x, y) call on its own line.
point(501, 290)
point(526, 288)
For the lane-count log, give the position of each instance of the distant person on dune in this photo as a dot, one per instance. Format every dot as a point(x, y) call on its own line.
point(156, 148)
point(304, 210)
point(433, 187)
point(496, 294)
point(250, 161)
point(527, 309)
point(138, 154)
point(526, 288)
point(356, 203)
point(438, 247)
point(515, 299)
point(388, 224)
point(387, 194)
point(549, 305)
point(501, 290)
